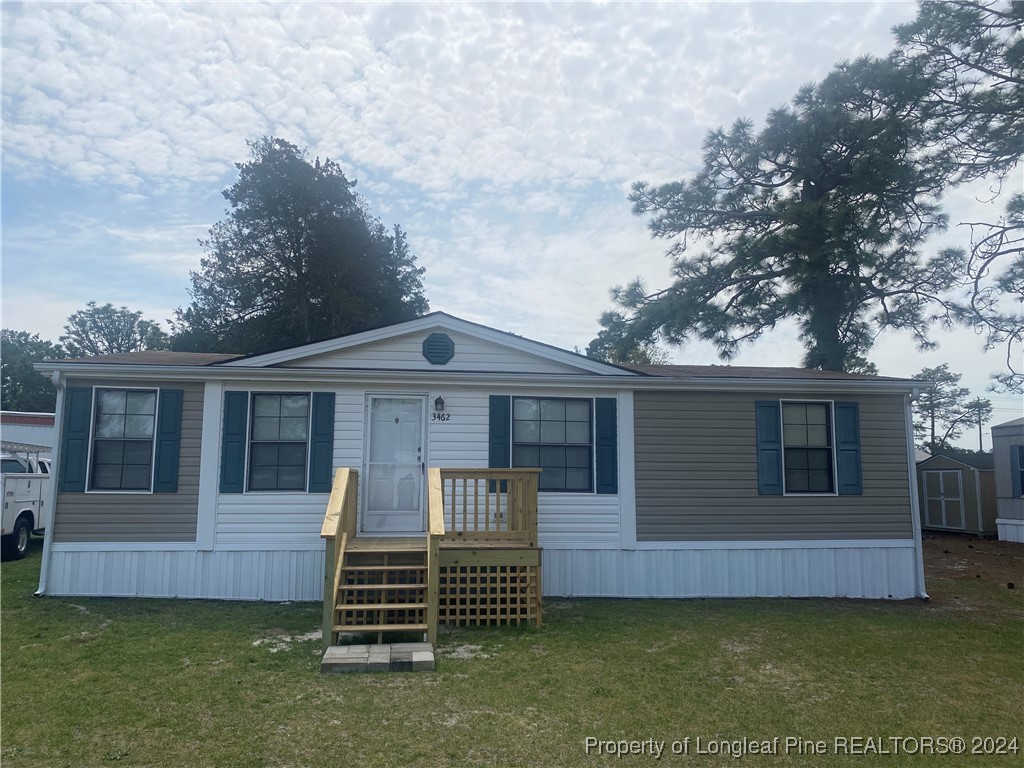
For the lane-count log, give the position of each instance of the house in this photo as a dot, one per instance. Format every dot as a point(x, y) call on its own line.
point(22, 430)
point(209, 476)
point(958, 493)
point(1008, 453)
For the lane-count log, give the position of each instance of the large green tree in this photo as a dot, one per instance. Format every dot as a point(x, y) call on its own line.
point(298, 258)
point(819, 217)
point(972, 55)
point(944, 410)
point(615, 345)
point(21, 387)
point(106, 330)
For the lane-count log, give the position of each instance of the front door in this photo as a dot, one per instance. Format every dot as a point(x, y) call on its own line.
point(394, 469)
point(944, 503)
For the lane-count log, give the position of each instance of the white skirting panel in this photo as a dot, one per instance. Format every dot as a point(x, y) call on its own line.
point(1010, 530)
point(223, 575)
point(875, 572)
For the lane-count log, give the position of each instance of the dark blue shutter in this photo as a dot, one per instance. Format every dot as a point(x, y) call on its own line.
point(606, 445)
point(1016, 480)
point(232, 458)
point(499, 453)
point(74, 443)
point(500, 432)
point(321, 444)
point(847, 417)
point(168, 441)
point(769, 448)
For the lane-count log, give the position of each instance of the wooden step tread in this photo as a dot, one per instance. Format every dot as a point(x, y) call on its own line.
point(371, 567)
point(357, 628)
point(415, 585)
point(378, 606)
point(390, 544)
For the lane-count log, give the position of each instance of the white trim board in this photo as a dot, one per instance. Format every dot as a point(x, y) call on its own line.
point(527, 381)
point(125, 546)
point(782, 544)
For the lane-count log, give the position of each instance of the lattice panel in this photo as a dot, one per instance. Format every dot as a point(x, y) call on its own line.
point(488, 595)
point(394, 616)
point(353, 595)
point(398, 576)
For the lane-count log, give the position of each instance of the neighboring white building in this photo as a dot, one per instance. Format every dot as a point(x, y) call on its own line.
point(1008, 452)
point(30, 430)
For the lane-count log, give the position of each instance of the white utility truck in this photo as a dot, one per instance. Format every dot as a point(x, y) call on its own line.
point(25, 477)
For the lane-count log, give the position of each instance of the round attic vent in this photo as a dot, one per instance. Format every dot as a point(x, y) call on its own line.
point(438, 348)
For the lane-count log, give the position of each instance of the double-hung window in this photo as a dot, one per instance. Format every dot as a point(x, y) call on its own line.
point(123, 440)
point(557, 436)
point(278, 442)
point(808, 447)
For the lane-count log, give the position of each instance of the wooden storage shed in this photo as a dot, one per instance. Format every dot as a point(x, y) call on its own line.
point(958, 494)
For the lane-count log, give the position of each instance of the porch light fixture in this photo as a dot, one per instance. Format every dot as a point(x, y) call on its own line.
point(439, 405)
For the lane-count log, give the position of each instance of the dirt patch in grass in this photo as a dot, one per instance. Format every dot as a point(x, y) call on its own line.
point(280, 641)
point(965, 573)
point(999, 562)
point(463, 652)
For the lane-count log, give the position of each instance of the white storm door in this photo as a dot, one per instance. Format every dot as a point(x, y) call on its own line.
point(394, 470)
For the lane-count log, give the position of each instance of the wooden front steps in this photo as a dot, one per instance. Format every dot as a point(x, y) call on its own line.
point(382, 588)
point(478, 562)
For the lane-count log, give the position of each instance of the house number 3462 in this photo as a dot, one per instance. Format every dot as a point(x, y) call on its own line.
point(440, 417)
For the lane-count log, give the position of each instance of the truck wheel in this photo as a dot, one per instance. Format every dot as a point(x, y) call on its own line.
point(16, 544)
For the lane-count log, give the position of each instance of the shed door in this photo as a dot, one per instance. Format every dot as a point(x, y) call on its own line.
point(944, 502)
point(394, 473)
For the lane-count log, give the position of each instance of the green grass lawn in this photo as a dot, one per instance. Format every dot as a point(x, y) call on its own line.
point(101, 682)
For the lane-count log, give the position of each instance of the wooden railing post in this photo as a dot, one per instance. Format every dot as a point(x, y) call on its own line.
point(339, 526)
point(509, 508)
point(530, 523)
point(435, 532)
point(327, 636)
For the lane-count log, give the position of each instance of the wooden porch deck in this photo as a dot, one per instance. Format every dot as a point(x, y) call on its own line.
point(477, 563)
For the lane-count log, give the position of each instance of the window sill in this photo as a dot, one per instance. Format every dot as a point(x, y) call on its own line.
point(105, 492)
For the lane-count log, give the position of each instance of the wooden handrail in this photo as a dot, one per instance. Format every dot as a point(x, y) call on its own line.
point(339, 527)
point(492, 473)
point(490, 504)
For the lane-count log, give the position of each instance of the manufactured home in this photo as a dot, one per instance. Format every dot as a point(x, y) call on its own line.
point(1008, 454)
point(455, 472)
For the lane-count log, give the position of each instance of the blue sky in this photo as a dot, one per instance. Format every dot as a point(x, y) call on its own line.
point(502, 137)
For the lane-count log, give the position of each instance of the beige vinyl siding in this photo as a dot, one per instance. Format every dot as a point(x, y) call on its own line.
point(696, 473)
point(111, 517)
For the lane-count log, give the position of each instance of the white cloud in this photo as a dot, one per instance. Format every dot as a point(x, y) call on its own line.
point(433, 94)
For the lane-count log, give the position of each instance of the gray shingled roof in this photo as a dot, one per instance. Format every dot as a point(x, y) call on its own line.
point(681, 372)
point(750, 372)
point(153, 357)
